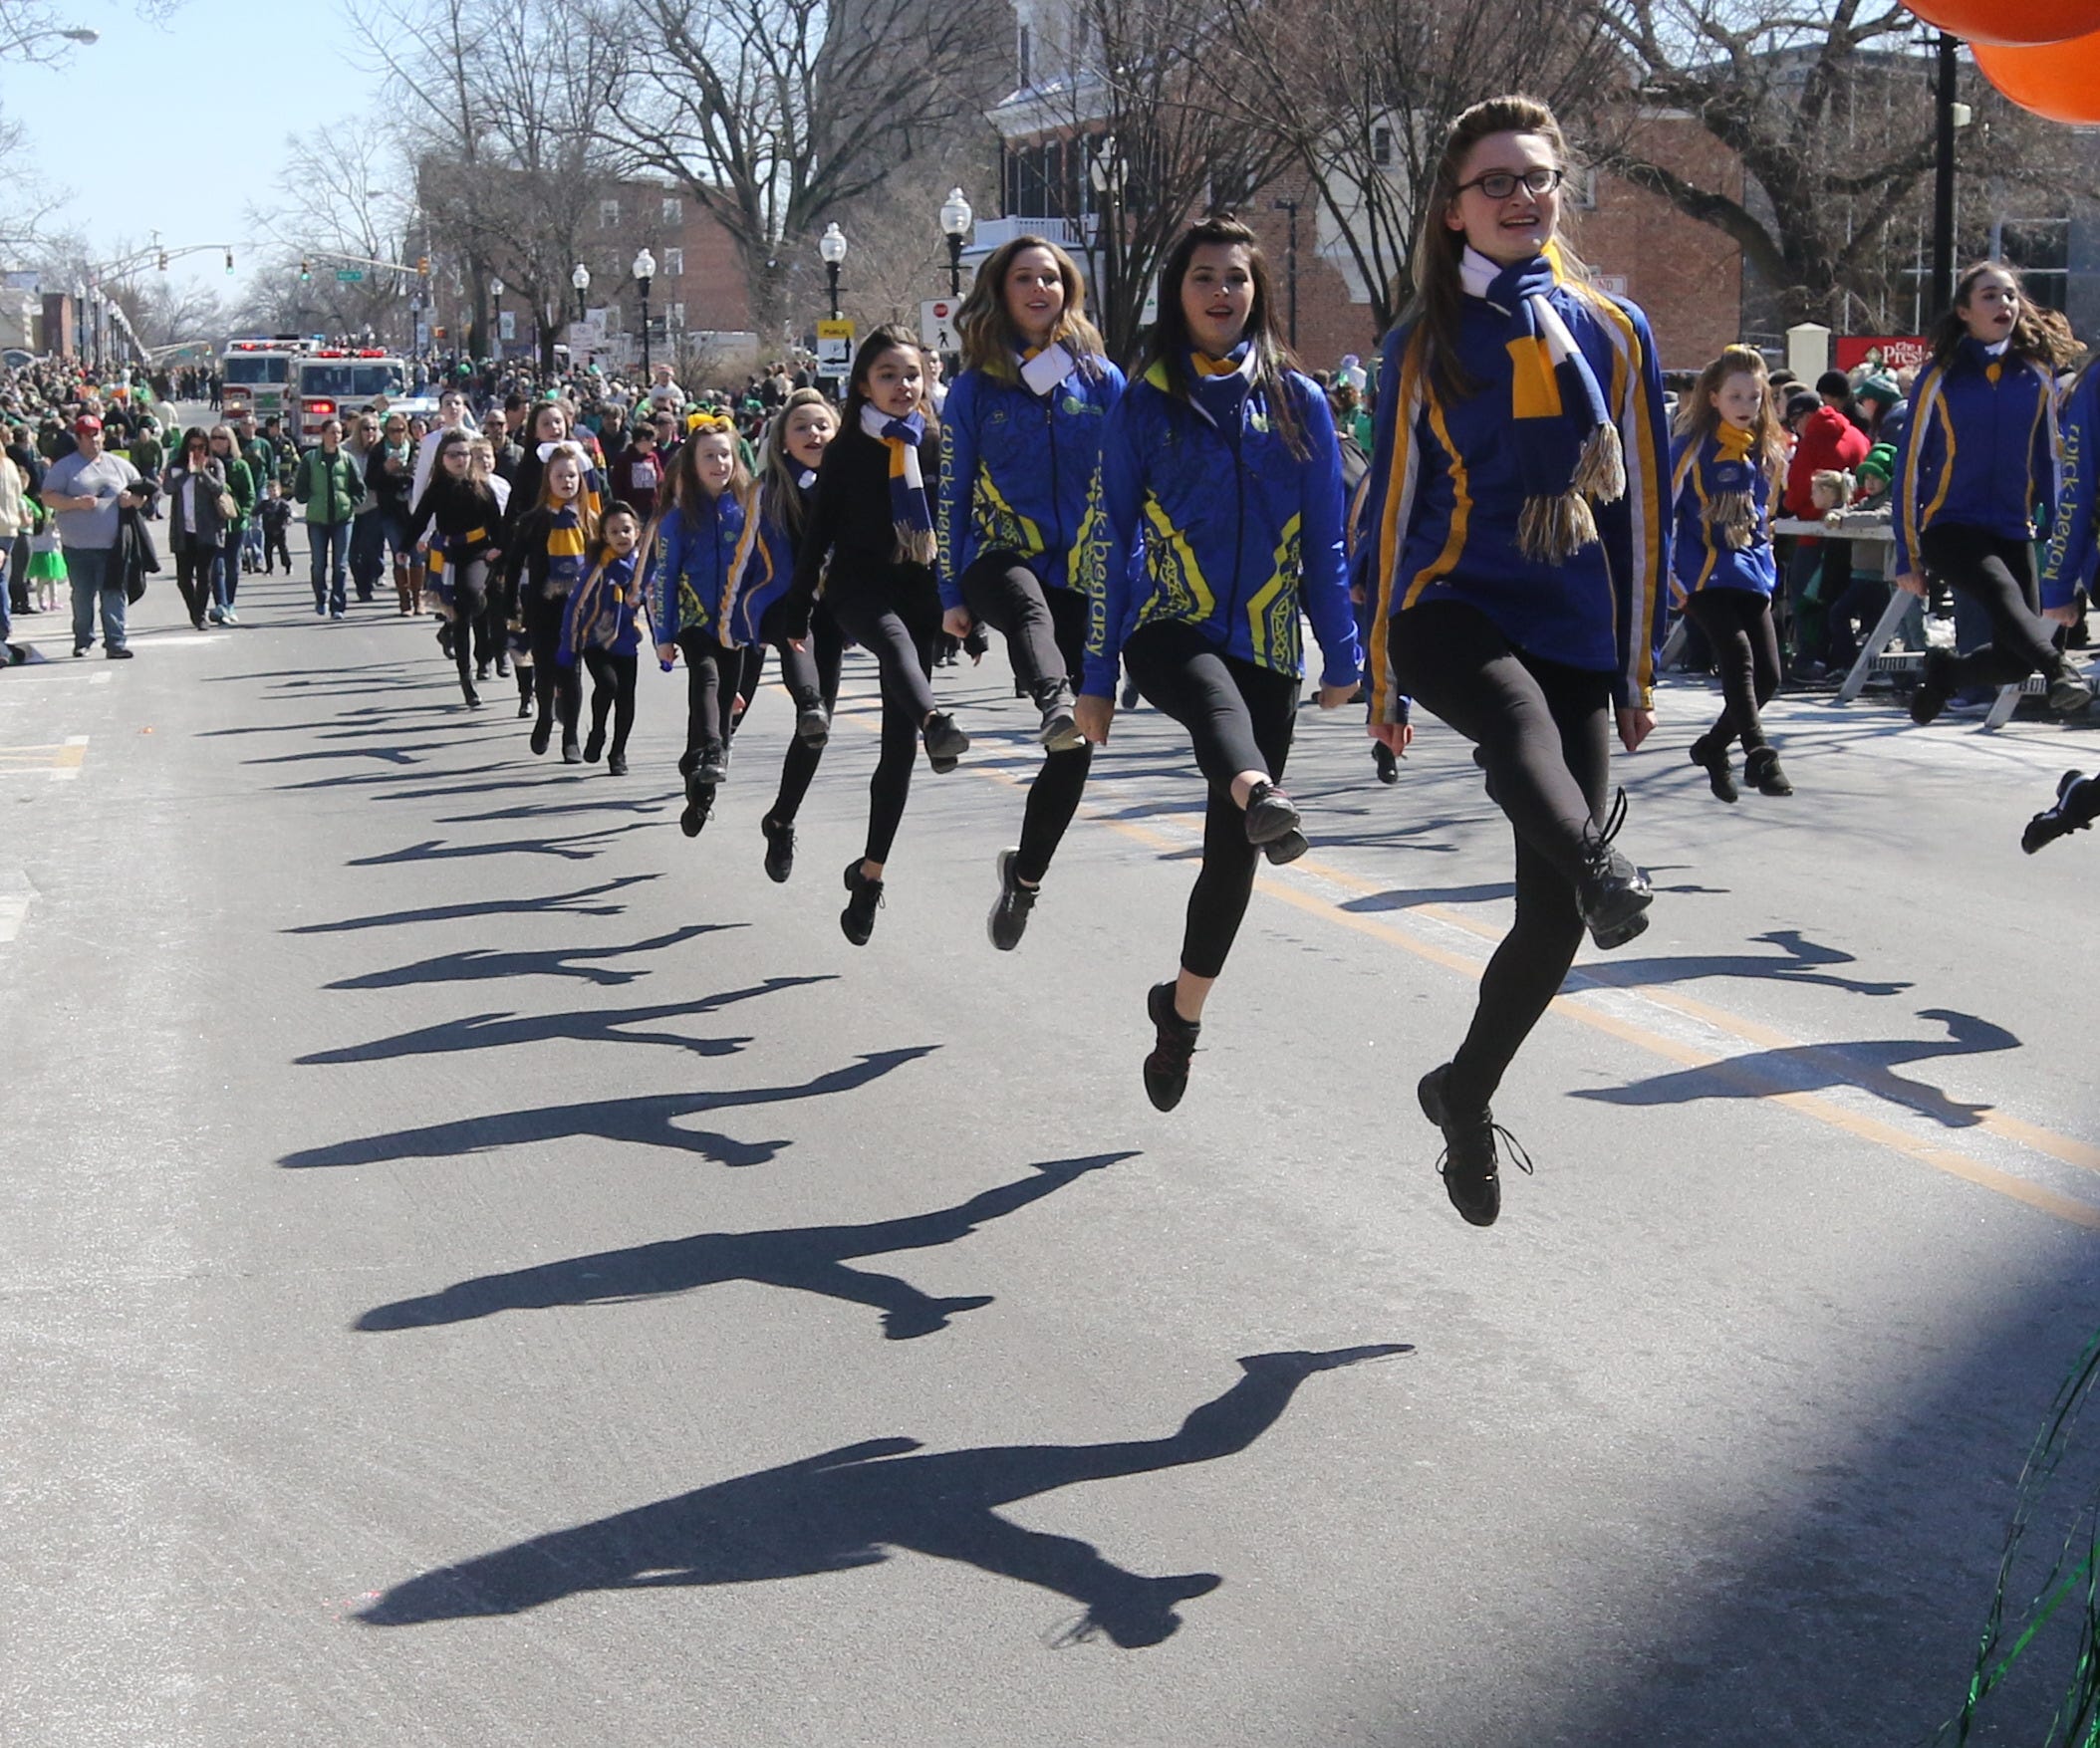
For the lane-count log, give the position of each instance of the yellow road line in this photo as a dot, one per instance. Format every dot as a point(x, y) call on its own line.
point(1813, 1106)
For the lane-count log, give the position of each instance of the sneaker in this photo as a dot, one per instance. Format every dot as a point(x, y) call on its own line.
point(321, 610)
point(695, 811)
point(595, 745)
point(2069, 692)
point(2058, 821)
point(812, 725)
point(1010, 910)
point(1059, 733)
point(335, 613)
point(1467, 1163)
point(1714, 760)
point(80, 649)
point(214, 613)
point(1271, 814)
point(542, 736)
point(1166, 1068)
point(944, 742)
point(482, 670)
point(1613, 893)
point(1385, 760)
point(1287, 847)
point(572, 754)
point(121, 654)
point(864, 899)
point(502, 663)
point(1762, 771)
point(525, 711)
point(473, 698)
point(712, 769)
point(1934, 688)
point(780, 848)
point(229, 617)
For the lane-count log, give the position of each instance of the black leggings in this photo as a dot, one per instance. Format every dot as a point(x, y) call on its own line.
point(1239, 717)
point(469, 608)
point(558, 690)
point(1998, 575)
point(812, 676)
point(1737, 625)
point(708, 699)
point(611, 688)
point(1545, 731)
point(867, 612)
point(1000, 590)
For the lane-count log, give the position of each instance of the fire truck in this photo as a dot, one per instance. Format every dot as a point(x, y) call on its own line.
point(257, 374)
point(329, 383)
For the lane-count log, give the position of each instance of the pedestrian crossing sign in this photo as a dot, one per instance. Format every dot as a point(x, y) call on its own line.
point(936, 324)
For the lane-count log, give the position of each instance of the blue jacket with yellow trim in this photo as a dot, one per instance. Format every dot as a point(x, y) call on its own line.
point(1979, 451)
point(604, 612)
point(1445, 495)
point(2074, 546)
point(762, 569)
point(696, 548)
point(1220, 526)
point(1699, 557)
point(1016, 468)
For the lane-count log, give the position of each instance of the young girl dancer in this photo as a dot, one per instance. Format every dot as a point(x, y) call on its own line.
point(696, 548)
point(1978, 453)
point(872, 520)
point(1522, 515)
point(1730, 452)
point(758, 610)
point(548, 541)
point(1222, 456)
point(605, 623)
point(463, 511)
point(1020, 437)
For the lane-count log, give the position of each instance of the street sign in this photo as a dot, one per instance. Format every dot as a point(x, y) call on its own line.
point(834, 348)
point(350, 276)
point(936, 324)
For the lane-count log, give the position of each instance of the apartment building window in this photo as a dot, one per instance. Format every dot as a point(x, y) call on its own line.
point(609, 215)
point(673, 263)
point(678, 315)
point(612, 324)
point(1382, 148)
point(673, 210)
point(1027, 58)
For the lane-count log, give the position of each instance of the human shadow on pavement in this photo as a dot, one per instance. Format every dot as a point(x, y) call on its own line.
point(585, 1026)
point(1800, 960)
point(482, 964)
point(808, 1259)
point(576, 846)
point(1869, 1066)
point(606, 803)
point(855, 1505)
point(1407, 897)
point(649, 1121)
point(561, 904)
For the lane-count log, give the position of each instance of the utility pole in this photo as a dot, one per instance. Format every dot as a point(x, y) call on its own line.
point(1942, 279)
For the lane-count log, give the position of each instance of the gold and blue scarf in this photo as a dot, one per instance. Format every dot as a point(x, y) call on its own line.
point(908, 513)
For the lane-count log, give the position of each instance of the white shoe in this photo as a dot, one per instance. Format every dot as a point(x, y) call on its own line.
point(229, 617)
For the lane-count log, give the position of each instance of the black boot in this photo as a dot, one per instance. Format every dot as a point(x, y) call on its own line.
point(1714, 760)
point(1273, 825)
point(2069, 692)
point(1934, 688)
point(1469, 1164)
point(780, 847)
point(2077, 803)
point(863, 897)
point(1762, 772)
point(1613, 893)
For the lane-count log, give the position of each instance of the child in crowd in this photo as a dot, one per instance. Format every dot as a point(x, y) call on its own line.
point(47, 560)
point(276, 513)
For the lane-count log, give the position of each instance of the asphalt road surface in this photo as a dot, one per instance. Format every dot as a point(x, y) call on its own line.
point(482, 1269)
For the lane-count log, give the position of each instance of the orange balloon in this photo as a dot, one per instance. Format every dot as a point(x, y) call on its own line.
point(2059, 80)
point(2011, 23)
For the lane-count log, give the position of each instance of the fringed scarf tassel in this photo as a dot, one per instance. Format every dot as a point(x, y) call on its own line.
point(1734, 518)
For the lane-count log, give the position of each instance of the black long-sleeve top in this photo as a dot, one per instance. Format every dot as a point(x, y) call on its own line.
point(458, 508)
point(850, 521)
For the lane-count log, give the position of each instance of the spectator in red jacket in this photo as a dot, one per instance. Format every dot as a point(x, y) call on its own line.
point(1820, 571)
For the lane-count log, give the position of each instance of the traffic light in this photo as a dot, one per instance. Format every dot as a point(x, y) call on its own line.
point(229, 260)
point(423, 266)
point(305, 272)
point(163, 260)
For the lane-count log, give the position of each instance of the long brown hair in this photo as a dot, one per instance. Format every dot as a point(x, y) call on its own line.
point(890, 337)
point(986, 330)
point(778, 471)
point(1697, 416)
point(1439, 292)
point(2038, 334)
point(544, 498)
point(687, 494)
point(1167, 347)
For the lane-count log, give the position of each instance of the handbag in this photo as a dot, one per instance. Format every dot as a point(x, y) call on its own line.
point(228, 509)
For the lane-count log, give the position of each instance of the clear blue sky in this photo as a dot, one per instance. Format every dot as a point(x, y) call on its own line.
point(234, 75)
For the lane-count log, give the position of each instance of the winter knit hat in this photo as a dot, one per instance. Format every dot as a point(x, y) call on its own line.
point(1879, 388)
point(1880, 464)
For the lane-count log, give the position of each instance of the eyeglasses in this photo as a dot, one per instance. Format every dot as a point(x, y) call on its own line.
point(1500, 184)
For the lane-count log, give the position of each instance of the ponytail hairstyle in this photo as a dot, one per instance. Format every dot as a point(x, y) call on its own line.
point(2037, 334)
point(688, 493)
point(1698, 417)
point(779, 472)
point(989, 342)
point(1167, 347)
point(890, 337)
point(1440, 293)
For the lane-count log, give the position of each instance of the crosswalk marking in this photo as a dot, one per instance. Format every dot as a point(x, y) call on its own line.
point(60, 760)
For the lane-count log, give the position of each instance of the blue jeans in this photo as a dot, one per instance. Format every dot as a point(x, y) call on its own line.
point(90, 574)
point(226, 571)
point(7, 625)
point(368, 552)
point(329, 544)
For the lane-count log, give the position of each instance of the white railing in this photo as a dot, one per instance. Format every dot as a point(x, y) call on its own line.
point(995, 233)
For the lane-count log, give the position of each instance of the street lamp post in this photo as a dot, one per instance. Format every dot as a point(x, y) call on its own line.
point(581, 279)
point(955, 216)
point(1291, 257)
point(644, 270)
point(831, 247)
point(495, 337)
